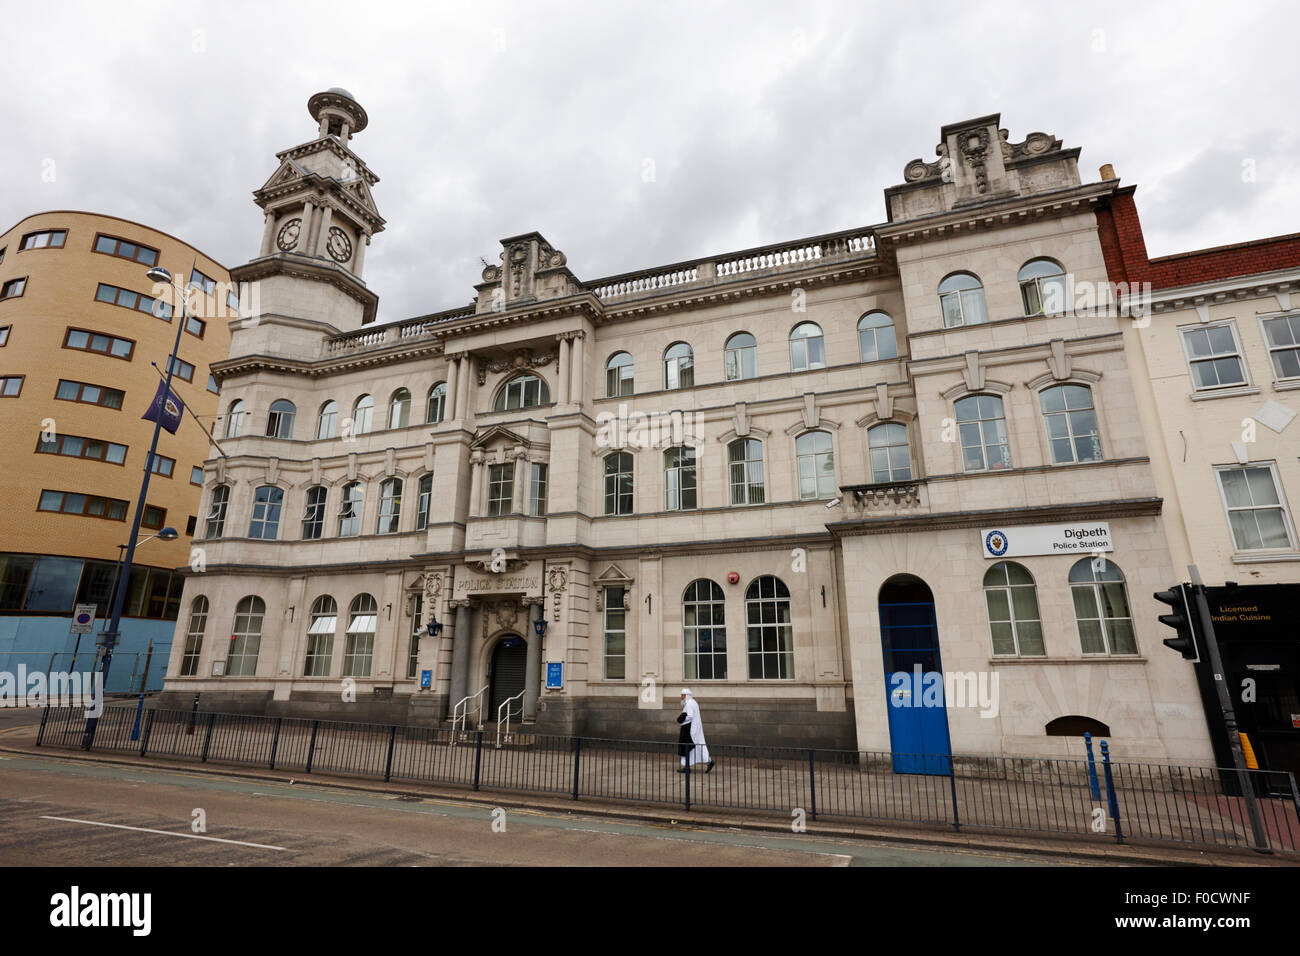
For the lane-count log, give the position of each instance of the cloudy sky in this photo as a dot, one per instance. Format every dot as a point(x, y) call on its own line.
point(635, 134)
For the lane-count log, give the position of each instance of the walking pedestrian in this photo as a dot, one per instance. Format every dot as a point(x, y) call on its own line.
point(690, 739)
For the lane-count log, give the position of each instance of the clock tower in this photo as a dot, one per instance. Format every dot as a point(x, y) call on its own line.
point(319, 215)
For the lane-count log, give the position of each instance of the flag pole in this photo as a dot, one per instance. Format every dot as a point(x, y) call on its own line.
point(195, 417)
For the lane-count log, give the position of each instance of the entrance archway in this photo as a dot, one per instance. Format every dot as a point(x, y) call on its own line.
point(918, 716)
point(507, 672)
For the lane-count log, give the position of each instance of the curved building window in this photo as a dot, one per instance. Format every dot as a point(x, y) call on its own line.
point(246, 637)
point(194, 636)
point(745, 465)
point(704, 631)
point(360, 646)
point(390, 506)
point(327, 424)
point(1043, 287)
point(424, 495)
point(217, 512)
point(267, 503)
point(279, 423)
point(816, 458)
point(313, 513)
point(876, 338)
point(235, 419)
point(983, 431)
point(619, 372)
point(350, 509)
point(399, 409)
point(363, 415)
point(961, 297)
point(770, 629)
point(524, 391)
point(807, 347)
point(679, 366)
point(890, 458)
point(679, 479)
point(436, 407)
point(1101, 607)
point(741, 357)
point(1071, 423)
point(1012, 601)
point(320, 637)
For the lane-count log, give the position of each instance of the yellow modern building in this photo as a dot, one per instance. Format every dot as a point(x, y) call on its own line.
point(84, 336)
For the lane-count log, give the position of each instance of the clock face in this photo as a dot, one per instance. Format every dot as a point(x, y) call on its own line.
point(339, 245)
point(288, 237)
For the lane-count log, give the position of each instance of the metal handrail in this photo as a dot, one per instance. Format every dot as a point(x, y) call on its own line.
point(460, 712)
point(505, 705)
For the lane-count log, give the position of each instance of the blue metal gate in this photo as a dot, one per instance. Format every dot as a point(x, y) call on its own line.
point(918, 716)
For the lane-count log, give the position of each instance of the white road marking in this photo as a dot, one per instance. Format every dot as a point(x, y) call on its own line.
point(191, 836)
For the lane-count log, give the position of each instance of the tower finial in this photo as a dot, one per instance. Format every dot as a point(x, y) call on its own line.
point(338, 113)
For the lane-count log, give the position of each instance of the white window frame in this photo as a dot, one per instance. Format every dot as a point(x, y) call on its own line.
point(1282, 503)
point(1239, 353)
point(1270, 349)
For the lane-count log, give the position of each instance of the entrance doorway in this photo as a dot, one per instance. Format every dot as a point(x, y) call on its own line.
point(918, 716)
point(506, 674)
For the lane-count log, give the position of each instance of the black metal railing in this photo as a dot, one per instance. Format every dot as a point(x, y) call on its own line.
point(1102, 800)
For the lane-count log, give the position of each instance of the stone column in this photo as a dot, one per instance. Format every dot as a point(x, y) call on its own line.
point(466, 370)
point(476, 483)
point(460, 640)
point(453, 385)
point(562, 372)
point(304, 236)
point(533, 676)
point(268, 234)
point(322, 237)
point(521, 477)
point(576, 383)
point(359, 257)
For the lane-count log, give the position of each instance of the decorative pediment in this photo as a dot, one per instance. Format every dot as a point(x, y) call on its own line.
point(498, 435)
point(612, 576)
point(288, 172)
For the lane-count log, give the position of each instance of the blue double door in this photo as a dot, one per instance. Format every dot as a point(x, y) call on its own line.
point(918, 715)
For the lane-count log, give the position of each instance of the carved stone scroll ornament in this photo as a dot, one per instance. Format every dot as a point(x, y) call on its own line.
point(1035, 144)
point(519, 360)
point(974, 151)
point(557, 580)
point(918, 169)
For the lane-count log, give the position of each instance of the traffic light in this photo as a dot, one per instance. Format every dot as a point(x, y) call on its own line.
point(1180, 620)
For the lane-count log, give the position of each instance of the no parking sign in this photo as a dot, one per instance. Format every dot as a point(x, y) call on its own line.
point(83, 619)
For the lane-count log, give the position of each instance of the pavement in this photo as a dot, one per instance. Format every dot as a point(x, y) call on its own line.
point(71, 808)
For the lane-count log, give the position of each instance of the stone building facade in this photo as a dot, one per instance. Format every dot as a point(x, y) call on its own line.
point(789, 477)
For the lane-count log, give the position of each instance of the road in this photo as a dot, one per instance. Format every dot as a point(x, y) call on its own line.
point(60, 812)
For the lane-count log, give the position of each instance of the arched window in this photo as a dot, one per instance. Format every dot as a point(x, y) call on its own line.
point(436, 409)
point(807, 347)
point(363, 414)
point(390, 506)
point(1101, 607)
point(424, 497)
point(327, 424)
point(679, 366)
point(350, 509)
point(982, 427)
point(745, 463)
point(1012, 601)
point(320, 636)
point(962, 299)
point(618, 483)
point(265, 523)
point(771, 631)
point(246, 637)
point(619, 371)
point(279, 423)
point(704, 630)
point(524, 391)
point(890, 457)
point(876, 340)
point(313, 513)
point(1071, 423)
point(1043, 287)
point(194, 636)
point(399, 408)
point(816, 465)
point(679, 479)
point(360, 646)
point(235, 419)
point(1075, 725)
point(217, 512)
point(741, 357)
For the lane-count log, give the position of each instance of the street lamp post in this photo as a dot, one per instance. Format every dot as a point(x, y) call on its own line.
point(110, 634)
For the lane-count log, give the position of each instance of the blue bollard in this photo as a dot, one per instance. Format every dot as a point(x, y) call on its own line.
point(1092, 767)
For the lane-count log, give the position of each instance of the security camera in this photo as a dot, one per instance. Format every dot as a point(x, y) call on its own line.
point(834, 502)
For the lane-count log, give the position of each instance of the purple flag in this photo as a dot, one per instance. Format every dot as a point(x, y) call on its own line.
point(166, 408)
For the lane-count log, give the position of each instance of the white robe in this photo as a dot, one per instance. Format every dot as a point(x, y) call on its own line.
point(699, 752)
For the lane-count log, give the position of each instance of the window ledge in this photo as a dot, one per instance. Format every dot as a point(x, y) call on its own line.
point(1224, 393)
point(1286, 384)
point(1089, 659)
point(1266, 558)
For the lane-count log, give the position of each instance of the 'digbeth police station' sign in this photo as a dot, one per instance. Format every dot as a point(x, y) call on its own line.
point(1083, 537)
